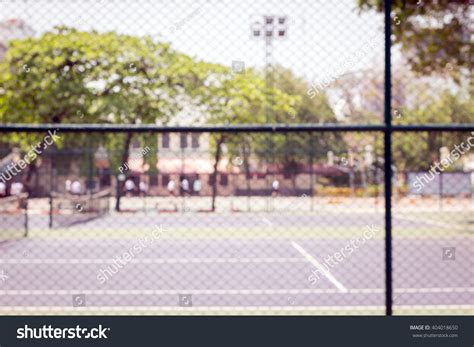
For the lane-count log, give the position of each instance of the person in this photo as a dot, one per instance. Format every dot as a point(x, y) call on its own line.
point(275, 187)
point(76, 187)
point(3, 189)
point(143, 187)
point(171, 187)
point(171, 190)
point(197, 186)
point(16, 188)
point(67, 185)
point(185, 186)
point(129, 186)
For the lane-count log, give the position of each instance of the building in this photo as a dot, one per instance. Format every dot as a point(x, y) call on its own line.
point(13, 29)
point(188, 156)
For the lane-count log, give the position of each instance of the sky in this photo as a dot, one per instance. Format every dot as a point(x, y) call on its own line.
point(322, 35)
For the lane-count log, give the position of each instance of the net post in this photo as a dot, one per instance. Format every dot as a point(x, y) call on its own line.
point(26, 215)
point(51, 193)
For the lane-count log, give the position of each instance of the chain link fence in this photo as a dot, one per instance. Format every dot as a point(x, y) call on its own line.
point(221, 157)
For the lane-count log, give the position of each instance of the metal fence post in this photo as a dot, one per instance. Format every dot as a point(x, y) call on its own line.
point(51, 187)
point(388, 160)
point(25, 211)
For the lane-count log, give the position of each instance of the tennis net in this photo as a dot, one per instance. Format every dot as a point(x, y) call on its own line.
point(69, 209)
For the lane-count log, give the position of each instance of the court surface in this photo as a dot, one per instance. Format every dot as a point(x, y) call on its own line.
point(241, 263)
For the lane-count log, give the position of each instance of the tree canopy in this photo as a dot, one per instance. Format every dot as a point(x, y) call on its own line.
point(435, 36)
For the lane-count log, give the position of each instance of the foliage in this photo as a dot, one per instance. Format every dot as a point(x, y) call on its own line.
point(231, 98)
point(69, 76)
point(432, 34)
point(291, 149)
point(418, 151)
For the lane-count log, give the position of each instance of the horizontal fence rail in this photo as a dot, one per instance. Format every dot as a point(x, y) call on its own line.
point(256, 128)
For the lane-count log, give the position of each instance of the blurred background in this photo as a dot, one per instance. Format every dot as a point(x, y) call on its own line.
point(250, 216)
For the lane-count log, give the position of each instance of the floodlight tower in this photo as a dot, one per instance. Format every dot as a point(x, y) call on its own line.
point(268, 28)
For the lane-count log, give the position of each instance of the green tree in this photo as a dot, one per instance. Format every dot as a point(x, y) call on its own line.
point(422, 101)
point(68, 76)
point(432, 34)
point(289, 151)
point(231, 98)
point(418, 151)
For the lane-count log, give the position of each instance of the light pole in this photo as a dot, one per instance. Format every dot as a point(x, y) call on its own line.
point(268, 28)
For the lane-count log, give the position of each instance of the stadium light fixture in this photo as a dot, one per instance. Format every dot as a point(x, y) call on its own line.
point(268, 28)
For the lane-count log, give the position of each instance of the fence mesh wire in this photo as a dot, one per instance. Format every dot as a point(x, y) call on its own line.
point(231, 222)
point(433, 225)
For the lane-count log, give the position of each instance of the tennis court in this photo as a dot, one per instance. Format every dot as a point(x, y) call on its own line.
point(224, 157)
point(247, 262)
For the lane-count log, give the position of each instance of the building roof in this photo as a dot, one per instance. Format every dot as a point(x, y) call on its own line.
point(13, 29)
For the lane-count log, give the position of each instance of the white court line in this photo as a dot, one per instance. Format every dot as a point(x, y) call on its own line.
point(187, 309)
point(181, 291)
point(229, 291)
point(325, 272)
point(152, 260)
point(265, 219)
point(435, 290)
